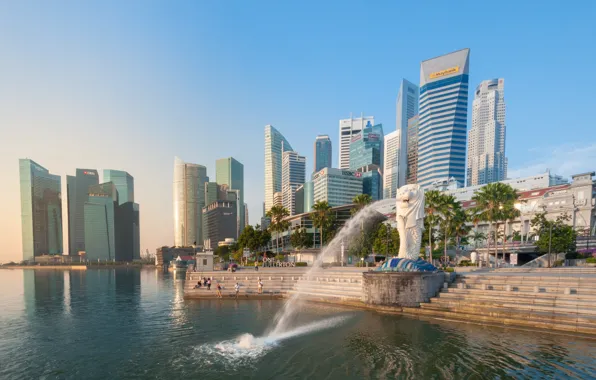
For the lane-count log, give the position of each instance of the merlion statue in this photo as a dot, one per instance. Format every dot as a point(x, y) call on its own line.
point(409, 211)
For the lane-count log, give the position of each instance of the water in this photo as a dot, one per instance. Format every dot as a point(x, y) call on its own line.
point(286, 317)
point(134, 324)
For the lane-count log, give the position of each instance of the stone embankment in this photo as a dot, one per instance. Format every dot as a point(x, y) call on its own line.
point(563, 300)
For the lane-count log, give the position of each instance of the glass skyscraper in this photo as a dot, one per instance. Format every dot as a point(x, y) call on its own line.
point(323, 153)
point(229, 171)
point(124, 183)
point(189, 200)
point(366, 156)
point(348, 130)
point(275, 144)
point(100, 222)
point(442, 123)
point(293, 175)
point(406, 108)
point(41, 210)
point(77, 193)
point(391, 161)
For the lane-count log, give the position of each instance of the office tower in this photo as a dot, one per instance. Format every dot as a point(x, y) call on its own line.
point(246, 221)
point(293, 175)
point(406, 108)
point(189, 200)
point(299, 209)
point(443, 118)
point(124, 183)
point(265, 221)
point(366, 156)
point(349, 129)
point(412, 151)
point(278, 199)
point(323, 153)
point(275, 144)
point(221, 221)
point(391, 161)
point(77, 193)
point(228, 171)
point(486, 140)
point(309, 196)
point(41, 210)
point(100, 222)
point(212, 192)
point(336, 186)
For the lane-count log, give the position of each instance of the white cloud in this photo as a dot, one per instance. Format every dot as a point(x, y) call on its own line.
point(566, 160)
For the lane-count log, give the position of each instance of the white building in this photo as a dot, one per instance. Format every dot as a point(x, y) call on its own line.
point(336, 186)
point(275, 144)
point(189, 200)
point(486, 140)
point(349, 128)
point(392, 161)
point(406, 108)
point(293, 175)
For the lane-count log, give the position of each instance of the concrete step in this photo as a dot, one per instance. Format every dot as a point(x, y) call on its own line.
point(571, 297)
point(549, 281)
point(346, 293)
point(522, 298)
point(324, 295)
point(530, 288)
point(330, 284)
point(518, 306)
point(250, 293)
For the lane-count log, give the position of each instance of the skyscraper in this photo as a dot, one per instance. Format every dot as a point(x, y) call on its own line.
point(391, 161)
point(41, 210)
point(486, 140)
point(229, 171)
point(275, 144)
point(293, 175)
point(348, 129)
point(406, 108)
point(100, 222)
point(124, 183)
point(323, 154)
point(77, 193)
point(366, 157)
point(337, 187)
point(221, 221)
point(412, 176)
point(189, 200)
point(443, 118)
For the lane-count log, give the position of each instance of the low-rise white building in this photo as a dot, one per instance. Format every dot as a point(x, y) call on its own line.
point(336, 186)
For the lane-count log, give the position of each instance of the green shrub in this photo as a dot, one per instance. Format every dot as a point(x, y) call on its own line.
point(301, 264)
point(559, 263)
point(280, 257)
point(449, 269)
point(591, 260)
point(465, 263)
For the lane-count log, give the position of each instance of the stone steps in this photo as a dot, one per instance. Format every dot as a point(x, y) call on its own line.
point(519, 294)
point(520, 297)
point(527, 288)
point(518, 306)
point(325, 295)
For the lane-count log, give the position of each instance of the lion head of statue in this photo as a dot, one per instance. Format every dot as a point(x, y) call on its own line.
point(410, 202)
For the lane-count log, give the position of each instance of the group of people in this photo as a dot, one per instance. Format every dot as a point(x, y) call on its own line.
point(206, 282)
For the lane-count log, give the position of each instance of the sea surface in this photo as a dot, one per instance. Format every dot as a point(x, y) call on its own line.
point(135, 324)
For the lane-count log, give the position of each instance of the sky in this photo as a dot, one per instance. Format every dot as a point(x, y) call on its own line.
point(130, 85)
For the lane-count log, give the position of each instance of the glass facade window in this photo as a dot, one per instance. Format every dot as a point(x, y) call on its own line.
point(41, 210)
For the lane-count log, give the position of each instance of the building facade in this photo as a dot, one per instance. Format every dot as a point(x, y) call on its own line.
point(220, 222)
point(275, 144)
point(391, 161)
point(336, 186)
point(406, 108)
point(293, 175)
point(348, 129)
point(41, 210)
point(412, 172)
point(124, 183)
point(442, 124)
point(323, 153)
point(299, 209)
point(309, 196)
point(486, 140)
point(77, 193)
point(189, 200)
point(366, 156)
point(100, 222)
point(229, 171)
point(372, 181)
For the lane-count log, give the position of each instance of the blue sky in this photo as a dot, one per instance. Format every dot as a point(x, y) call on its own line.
point(129, 85)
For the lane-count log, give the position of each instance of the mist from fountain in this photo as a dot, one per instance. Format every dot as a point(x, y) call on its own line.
point(353, 226)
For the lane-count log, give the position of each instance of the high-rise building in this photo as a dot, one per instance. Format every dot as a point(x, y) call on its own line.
point(246, 220)
point(265, 221)
point(299, 209)
point(229, 171)
point(412, 151)
point(100, 222)
point(391, 161)
point(275, 144)
point(406, 108)
point(323, 153)
point(41, 210)
point(336, 186)
point(77, 193)
point(486, 140)
point(366, 156)
point(189, 200)
point(278, 199)
point(309, 196)
point(348, 129)
point(293, 175)
point(221, 219)
point(124, 183)
point(442, 120)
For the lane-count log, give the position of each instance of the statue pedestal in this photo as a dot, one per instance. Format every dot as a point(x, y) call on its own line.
point(400, 288)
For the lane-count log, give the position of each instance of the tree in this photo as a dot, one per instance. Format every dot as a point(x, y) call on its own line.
point(322, 218)
point(431, 211)
point(277, 214)
point(493, 204)
point(449, 209)
point(554, 236)
point(386, 240)
point(478, 236)
point(361, 201)
point(300, 238)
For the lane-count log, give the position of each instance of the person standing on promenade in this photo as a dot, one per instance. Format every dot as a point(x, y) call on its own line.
point(219, 290)
point(209, 283)
point(260, 286)
point(256, 265)
point(237, 289)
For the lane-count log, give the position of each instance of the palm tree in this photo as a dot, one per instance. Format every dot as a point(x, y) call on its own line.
point(460, 229)
point(432, 204)
point(321, 216)
point(478, 236)
point(361, 201)
point(493, 203)
point(277, 214)
point(448, 209)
